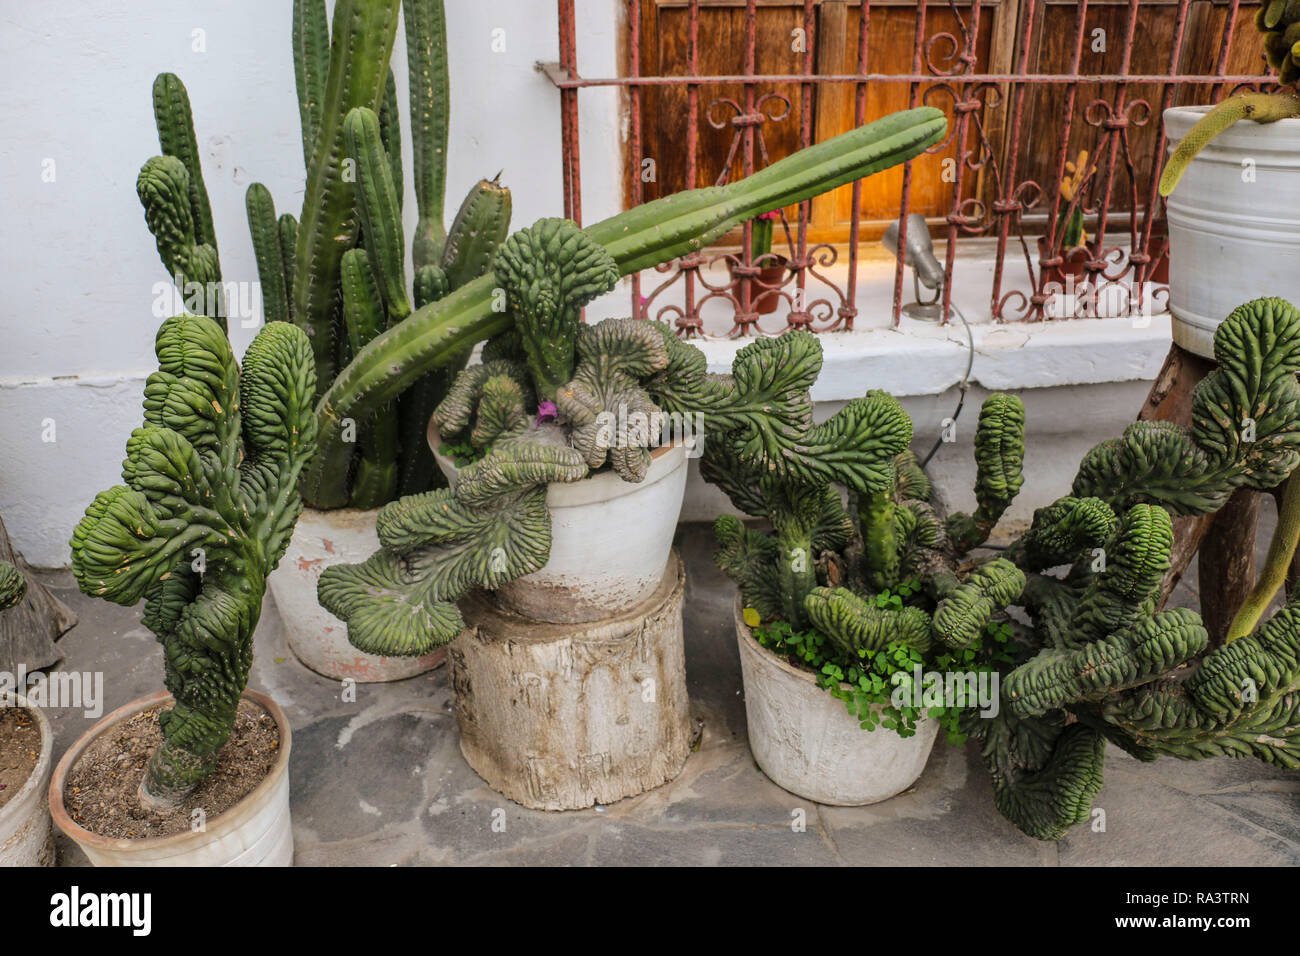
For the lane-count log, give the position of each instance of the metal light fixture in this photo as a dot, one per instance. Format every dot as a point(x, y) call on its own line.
point(926, 269)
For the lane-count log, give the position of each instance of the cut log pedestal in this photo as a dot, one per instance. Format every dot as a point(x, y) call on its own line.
point(565, 716)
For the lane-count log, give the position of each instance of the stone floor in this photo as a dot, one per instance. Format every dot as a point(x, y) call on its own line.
point(381, 781)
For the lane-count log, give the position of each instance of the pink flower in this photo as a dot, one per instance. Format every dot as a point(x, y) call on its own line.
point(547, 412)
point(774, 214)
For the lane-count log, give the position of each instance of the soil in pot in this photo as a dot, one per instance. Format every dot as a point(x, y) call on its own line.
point(100, 792)
point(20, 750)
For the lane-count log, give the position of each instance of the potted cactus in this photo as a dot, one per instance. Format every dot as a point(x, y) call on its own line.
point(563, 498)
point(1101, 662)
point(351, 139)
point(1232, 223)
point(839, 610)
point(208, 502)
point(765, 266)
point(26, 751)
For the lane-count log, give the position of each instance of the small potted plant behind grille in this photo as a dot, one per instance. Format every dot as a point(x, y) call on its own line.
point(564, 502)
point(208, 502)
point(26, 749)
point(1076, 250)
point(764, 288)
point(840, 610)
point(1233, 193)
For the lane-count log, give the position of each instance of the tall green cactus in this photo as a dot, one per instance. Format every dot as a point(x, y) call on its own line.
point(1102, 662)
point(205, 512)
point(444, 330)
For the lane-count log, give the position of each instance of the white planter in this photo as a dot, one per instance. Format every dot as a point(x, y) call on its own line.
point(25, 820)
point(1232, 238)
point(806, 742)
point(610, 541)
point(317, 637)
point(254, 832)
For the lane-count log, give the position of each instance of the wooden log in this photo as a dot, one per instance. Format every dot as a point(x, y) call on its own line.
point(564, 716)
point(29, 630)
point(1226, 563)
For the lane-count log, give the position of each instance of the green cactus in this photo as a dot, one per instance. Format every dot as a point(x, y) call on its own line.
point(205, 512)
point(840, 574)
point(443, 331)
point(1279, 22)
point(1101, 661)
point(13, 586)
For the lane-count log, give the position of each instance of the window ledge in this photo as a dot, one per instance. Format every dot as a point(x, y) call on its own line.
point(921, 358)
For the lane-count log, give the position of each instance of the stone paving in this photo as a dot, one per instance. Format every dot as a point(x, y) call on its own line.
point(381, 781)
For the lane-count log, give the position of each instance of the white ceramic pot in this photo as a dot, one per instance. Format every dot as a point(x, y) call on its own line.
point(610, 541)
point(806, 742)
point(25, 820)
point(254, 832)
point(1234, 224)
point(317, 637)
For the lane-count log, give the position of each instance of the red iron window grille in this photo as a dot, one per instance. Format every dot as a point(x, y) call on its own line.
point(1017, 115)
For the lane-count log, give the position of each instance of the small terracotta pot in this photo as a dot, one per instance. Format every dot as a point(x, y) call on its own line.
point(256, 831)
point(25, 820)
point(772, 275)
point(1074, 262)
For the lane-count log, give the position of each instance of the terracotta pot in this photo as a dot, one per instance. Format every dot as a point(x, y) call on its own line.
point(25, 820)
point(806, 742)
point(317, 637)
point(610, 541)
point(764, 302)
point(1074, 265)
point(254, 832)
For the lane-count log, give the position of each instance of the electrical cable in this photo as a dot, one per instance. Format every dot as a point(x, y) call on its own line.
point(963, 385)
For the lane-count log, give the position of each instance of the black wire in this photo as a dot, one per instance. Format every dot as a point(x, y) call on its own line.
point(964, 384)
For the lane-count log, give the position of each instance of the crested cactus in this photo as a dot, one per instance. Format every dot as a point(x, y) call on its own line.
point(1101, 662)
point(208, 502)
point(833, 572)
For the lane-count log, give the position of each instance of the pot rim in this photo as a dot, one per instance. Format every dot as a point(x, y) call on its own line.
point(84, 837)
point(33, 782)
point(659, 470)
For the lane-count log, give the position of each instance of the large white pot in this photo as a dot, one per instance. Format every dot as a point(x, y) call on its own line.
point(1231, 239)
point(25, 820)
point(317, 637)
point(806, 742)
point(254, 832)
point(610, 541)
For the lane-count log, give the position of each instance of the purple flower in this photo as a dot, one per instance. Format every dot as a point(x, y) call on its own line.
point(547, 412)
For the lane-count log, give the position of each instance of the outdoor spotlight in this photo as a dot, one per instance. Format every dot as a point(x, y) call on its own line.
point(926, 269)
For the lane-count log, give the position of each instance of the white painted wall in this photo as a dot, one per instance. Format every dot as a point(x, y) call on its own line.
point(81, 269)
point(80, 266)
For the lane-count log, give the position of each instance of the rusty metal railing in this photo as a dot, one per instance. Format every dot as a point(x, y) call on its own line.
point(991, 196)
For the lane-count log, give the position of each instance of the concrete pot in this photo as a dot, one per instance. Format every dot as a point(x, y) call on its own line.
point(1232, 240)
point(317, 637)
point(610, 541)
point(254, 832)
point(806, 742)
point(25, 820)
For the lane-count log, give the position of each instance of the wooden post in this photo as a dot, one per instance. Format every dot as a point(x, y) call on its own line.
point(564, 716)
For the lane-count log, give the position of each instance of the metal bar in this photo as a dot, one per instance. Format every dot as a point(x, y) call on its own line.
point(905, 201)
point(568, 80)
point(849, 311)
point(634, 131)
point(570, 155)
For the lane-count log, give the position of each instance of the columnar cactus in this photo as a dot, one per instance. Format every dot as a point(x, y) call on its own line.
point(349, 247)
point(442, 332)
point(205, 512)
point(1101, 662)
